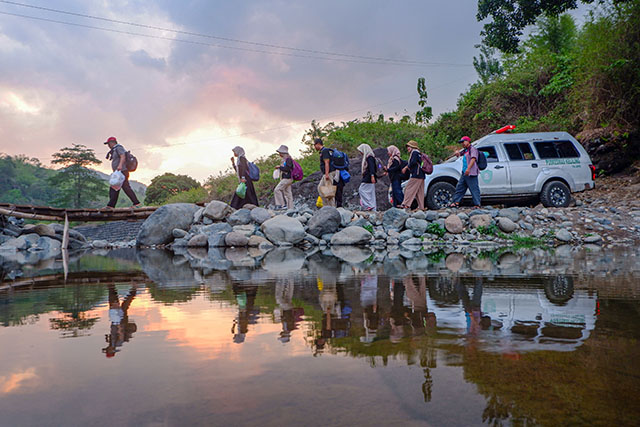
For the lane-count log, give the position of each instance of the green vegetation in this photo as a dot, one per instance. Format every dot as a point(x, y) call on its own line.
point(168, 185)
point(78, 186)
point(25, 181)
point(368, 227)
point(437, 229)
point(490, 230)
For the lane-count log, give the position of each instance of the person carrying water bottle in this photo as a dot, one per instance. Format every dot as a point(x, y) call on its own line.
point(282, 192)
point(242, 169)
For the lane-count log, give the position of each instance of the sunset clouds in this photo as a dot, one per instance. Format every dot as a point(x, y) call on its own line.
point(181, 106)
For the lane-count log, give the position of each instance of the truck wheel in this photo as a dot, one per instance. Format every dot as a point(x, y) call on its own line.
point(559, 289)
point(555, 194)
point(440, 195)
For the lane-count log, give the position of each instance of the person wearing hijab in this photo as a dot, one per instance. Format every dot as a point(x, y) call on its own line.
point(394, 170)
point(367, 189)
point(414, 190)
point(282, 192)
point(242, 169)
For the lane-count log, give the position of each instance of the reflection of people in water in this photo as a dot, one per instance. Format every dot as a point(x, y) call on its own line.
point(285, 312)
point(121, 328)
point(247, 313)
point(336, 317)
point(369, 304)
point(472, 306)
point(409, 309)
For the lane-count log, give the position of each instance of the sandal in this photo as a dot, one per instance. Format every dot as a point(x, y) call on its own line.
point(454, 205)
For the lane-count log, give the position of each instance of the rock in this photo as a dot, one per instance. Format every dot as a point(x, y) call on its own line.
point(454, 262)
point(463, 216)
point(453, 224)
point(215, 234)
point(512, 213)
point(236, 239)
point(158, 227)
point(414, 243)
point(345, 216)
point(17, 244)
point(260, 215)
point(360, 222)
point(239, 217)
point(431, 216)
point(217, 210)
point(312, 239)
point(178, 233)
point(480, 220)
point(197, 216)
point(198, 241)
point(417, 225)
point(596, 238)
point(538, 233)
point(394, 219)
point(100, 244)
point(326, 220)
point(246, 230)
point(282, 229)
point(405, 235)
point(284, 261)
point(506, 225)
point(49, 247)
point(351, 236)
point(419, 215)
point(43, 230)
point(564, 235)
point(351, 254)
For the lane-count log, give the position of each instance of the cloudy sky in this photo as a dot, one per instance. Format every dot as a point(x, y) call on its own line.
point(228, 73)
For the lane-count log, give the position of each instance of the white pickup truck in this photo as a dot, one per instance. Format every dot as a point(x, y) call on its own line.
point(548, 165)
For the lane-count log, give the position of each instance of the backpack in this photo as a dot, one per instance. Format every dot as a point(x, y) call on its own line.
point(345, 176)
point(339, 160)
point(379, 167)
point(482, 160)
point(131, 162)
point(297, 173)
point(404, 176)
point(253, 171)
point(427, 164)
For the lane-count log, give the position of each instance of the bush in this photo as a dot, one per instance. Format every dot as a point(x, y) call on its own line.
point(165, 186)
point(195, 195)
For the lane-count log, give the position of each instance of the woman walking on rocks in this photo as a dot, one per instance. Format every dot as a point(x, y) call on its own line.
point(367, 189)
point(282, 192)
point(242, 169)
point(394, 170)
point(415, 187)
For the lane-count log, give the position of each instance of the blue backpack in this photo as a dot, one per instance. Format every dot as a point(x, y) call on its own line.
point(254, 172)
point(339, 160)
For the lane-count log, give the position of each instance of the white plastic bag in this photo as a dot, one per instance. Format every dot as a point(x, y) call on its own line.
point(276, 174)
point(116, 179)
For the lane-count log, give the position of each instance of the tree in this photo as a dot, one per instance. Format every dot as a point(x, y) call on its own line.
point(77, 184)
point(164, 186)
point(424, 115)
point(487, 66)
point(510, 17)
point(316, 131)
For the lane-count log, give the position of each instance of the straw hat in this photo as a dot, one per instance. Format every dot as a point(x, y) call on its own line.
point(283, 149)
point(412, 144)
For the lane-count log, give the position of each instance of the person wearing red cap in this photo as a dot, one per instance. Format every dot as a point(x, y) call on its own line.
point(470, 171)
point(117, 155)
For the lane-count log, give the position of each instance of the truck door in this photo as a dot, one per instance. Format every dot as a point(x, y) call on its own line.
point(523, 167)
point(494, 180)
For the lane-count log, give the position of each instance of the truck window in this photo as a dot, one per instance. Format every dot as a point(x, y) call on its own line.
point(492, 155)
point(519, 151)
point(556, 149)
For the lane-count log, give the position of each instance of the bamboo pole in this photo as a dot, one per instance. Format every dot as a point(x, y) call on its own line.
point(29, 216)
point(65, 233)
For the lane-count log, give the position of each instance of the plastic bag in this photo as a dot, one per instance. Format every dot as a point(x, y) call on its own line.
point(116, 179)
point(326, 189)
point(241, 190)
point(319, 202)
point(276, 174)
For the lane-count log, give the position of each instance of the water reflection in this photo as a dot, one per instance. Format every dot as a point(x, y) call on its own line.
point(522, 331)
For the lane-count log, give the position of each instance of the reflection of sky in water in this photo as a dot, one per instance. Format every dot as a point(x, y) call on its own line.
point(349, 347)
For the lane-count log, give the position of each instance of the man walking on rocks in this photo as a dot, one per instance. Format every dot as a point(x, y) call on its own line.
point(330, 174)
point(469, 177)
point(117, 154)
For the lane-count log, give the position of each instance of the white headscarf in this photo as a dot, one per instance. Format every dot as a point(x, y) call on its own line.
point(366, 152)
point(239, 151)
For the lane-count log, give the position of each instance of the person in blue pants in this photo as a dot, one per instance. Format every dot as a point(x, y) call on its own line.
point(470, 171)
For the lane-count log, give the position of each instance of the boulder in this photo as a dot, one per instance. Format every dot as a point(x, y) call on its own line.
point(236, 239)
point(394, 219)
point(352, 254)
point(17, 244)
point(49, 247)
point(483, 220)
point(596, 238)
point(259, 242)
point(346, 216)
point(239, 217)
point(246, 230)
point(197, 216)
point(260, 215)
point(325, 221)
point(43, 230)
point(419, 215)
point(198, 241)
point(417, 225)
point(100, 244)
point(512, 213)
point(178, 233)
point(351, 236)
point(506, 225)
point(215, 234)
point(217, 210)
point(413, 244)
point(157, 229)
point(453, 224)
point(282, 230)
point(564, 235)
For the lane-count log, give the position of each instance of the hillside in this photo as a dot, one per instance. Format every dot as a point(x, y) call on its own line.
point(25, 180)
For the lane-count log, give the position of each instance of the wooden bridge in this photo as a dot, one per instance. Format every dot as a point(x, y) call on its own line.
point(46, 213)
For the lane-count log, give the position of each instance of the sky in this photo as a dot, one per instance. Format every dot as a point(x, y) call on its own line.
point(180, 100)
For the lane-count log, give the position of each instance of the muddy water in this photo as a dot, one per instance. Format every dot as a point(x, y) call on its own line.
point(530, 336)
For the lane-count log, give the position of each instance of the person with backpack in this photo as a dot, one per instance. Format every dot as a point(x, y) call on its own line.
point(470, 171)
point(332, 162)
point(118, 156)
point(367, 189)
point(282, 192)
point(414, 190)
point(394, 170)
point(242, 169)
